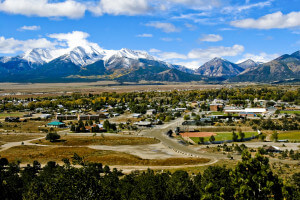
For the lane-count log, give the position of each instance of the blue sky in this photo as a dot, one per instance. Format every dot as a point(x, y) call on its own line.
point(188, 32)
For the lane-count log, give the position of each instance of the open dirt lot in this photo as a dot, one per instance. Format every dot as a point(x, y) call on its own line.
point(197, 134)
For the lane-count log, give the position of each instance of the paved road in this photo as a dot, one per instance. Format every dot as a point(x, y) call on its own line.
point(14, 144)
point(159, 133)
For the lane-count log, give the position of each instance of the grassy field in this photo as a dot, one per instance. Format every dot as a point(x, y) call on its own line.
point(289, 135)
point(223, 136)
point(98, 140)
point(217, 113)
point(24, 127)
point(4, 138)
point(27, 154)
point(290, 112)
point(15, 114)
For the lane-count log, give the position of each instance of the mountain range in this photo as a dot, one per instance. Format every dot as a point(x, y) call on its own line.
point(91, 63)
point(87, 63)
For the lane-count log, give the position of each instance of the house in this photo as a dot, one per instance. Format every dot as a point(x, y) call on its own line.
point(247, 114)
point(66, 117)
point(151, 112)
point(88, 117)
point(137, 115)
point(115, 114)
point(56, 124)
point(143, 124)
point(272, 149)
point(45, 116)
point(216, 106)
point(247, 110)
point(180, 109)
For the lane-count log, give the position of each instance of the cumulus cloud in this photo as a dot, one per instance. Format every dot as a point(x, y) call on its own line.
point(124, 7)
point(165, 27)
point(29, 28)
point(262, 57)
point(211, 38)
point(77, 8)
point(73, 39)
point(270, 21)
point(145, 35)
point(12, 46)
point(74, 8)
point(59, 43)
point(44, 8)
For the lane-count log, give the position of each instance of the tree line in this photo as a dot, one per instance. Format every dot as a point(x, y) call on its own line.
point(251, 178)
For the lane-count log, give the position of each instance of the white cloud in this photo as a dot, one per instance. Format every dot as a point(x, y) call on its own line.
point(191, 27)
point(166, 27)
point(59, 43)
point(196, 4)
point(167, 39)
point(44, 8)
point(197, 57)
point(270, 21)
point(231, 9)
point(211, 38)
point(12, 46)
point(212, 52)
point(145, 35)
point(172, 55)
point(73, 39)
point(154, 50)
point(29, 28)
point(195, 64)
point(262, 57)
point(123, 7)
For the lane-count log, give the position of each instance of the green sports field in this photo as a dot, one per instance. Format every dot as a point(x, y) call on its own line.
point(224, 136)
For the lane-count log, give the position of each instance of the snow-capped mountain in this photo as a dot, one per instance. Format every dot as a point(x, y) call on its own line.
point(87, 61)
point(81, 55)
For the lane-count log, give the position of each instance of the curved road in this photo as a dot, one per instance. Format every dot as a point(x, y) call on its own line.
point(158, 132)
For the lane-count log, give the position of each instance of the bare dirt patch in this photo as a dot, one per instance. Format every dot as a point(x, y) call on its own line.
point(197, 134)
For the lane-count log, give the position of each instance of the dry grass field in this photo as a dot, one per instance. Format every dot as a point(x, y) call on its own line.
point(5, 138)
point(52, 89)
point(98, 140)
point(25, 127)
point(43, 154)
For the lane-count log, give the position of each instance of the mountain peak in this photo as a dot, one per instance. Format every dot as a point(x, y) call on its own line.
point(296, 54)
point(218, 59)
point(248, 64)
point(38, 55)
point(219, 67)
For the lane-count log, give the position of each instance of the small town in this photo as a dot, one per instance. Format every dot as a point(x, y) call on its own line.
point(149, 100)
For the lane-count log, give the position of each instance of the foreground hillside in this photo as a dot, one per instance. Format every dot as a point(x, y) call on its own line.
point(252, 178)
